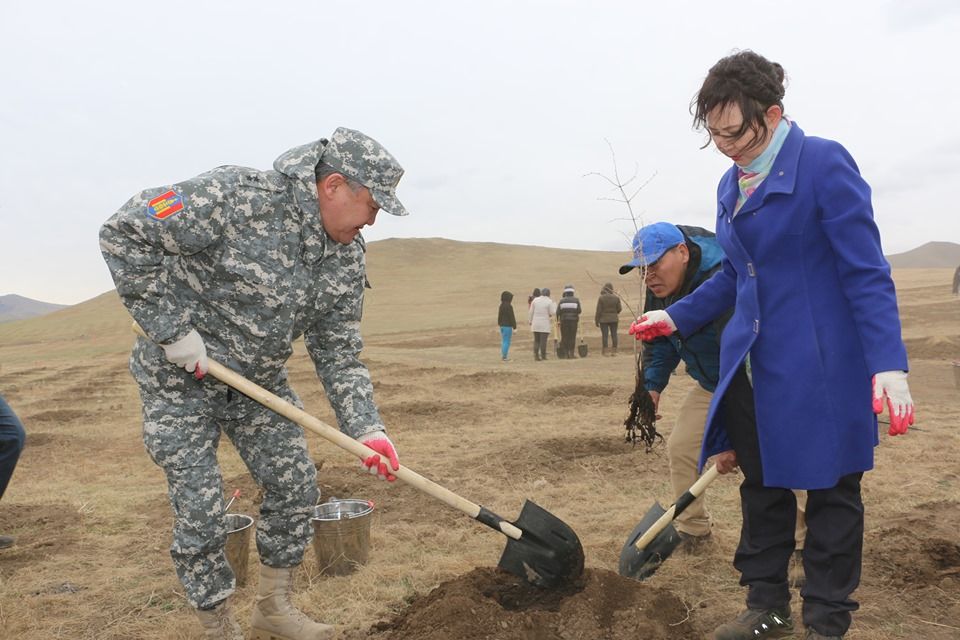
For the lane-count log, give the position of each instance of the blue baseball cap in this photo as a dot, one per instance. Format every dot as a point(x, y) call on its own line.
point(651, 242)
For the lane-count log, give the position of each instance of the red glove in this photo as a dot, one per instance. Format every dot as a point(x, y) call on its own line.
point(653, 324)
point(379, 442)
point(892, 385)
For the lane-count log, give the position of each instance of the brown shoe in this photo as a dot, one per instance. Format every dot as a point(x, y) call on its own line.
point(694, 545)
point(754, 624)
point(795, 574)
point(7, 541)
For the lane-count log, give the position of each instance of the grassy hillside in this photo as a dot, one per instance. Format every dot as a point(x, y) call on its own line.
point(430, 285)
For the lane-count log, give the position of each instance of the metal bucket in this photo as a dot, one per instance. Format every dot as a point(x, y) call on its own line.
point(341, 540)
point(239, 527)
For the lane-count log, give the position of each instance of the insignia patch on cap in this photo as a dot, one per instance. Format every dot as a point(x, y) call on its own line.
point(165, 205)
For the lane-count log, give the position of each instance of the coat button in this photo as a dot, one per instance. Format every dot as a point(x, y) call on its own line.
point(780, 174)
point(756, 326)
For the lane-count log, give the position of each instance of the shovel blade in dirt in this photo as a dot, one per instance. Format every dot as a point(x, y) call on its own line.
point(653, 540)
point(549, 553)
point(640, 564)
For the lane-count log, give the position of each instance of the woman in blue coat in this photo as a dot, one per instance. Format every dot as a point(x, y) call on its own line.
point(815, 336)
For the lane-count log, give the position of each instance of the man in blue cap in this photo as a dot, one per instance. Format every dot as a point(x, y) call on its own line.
point(674, 261)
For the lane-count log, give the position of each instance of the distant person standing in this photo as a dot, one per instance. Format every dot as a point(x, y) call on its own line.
point(507, 322)
point(12, 438)
point(607, 317)
point(540, 316)
point(532, 296)
point(568, 312)
point(956, 282)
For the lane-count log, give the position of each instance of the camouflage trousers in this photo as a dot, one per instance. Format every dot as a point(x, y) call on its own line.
point(184, 444)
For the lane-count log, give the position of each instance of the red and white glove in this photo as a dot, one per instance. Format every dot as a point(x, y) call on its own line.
point(653, 324)
point(379, 442)
point(190, 353)
point(892, 385)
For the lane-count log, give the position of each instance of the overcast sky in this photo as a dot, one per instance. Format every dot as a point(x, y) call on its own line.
point(496, 110)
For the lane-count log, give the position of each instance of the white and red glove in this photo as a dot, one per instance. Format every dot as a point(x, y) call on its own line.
point(379, 442)
point(190, 353)
point(892, 385)
point(652, 324)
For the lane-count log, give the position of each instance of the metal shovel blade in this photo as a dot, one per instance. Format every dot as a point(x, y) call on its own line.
point(549, 553)
point(642, 563)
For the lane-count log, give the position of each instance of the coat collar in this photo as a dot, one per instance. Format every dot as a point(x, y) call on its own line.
point(782, 177)
point(299, 166)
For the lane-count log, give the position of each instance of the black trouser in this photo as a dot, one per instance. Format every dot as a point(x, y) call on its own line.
point(540, 345)
point(568, 337)
point(12, 439)
point(834, 544)
point(609, 328)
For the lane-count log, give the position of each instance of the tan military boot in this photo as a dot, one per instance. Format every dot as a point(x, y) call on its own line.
point(219, 622)
point(275, 617)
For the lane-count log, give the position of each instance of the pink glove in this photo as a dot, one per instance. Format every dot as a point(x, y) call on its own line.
point(190, 353)
point(893, 386)
point(379, 442)
point(653, 324)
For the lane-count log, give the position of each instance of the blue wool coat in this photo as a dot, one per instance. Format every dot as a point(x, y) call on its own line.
point(815, 307)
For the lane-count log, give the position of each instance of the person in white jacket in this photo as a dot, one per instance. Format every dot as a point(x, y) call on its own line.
point(541, 313)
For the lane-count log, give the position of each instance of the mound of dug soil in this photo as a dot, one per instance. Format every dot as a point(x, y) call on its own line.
point(491, 604)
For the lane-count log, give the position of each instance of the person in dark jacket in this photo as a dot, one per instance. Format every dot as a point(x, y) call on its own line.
point(12, 438)
point(677, 260)
point(811, 353)
point(507, 322)
point(568, 313)
point(956, 281)
point(607, 317)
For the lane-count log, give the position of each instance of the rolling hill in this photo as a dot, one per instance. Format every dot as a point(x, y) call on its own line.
point(14, 307)
point(932, 255)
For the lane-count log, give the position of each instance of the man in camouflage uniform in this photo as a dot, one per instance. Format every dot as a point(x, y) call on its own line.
point(239, 263)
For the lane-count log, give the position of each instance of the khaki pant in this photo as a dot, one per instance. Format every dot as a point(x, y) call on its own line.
point(683, 452)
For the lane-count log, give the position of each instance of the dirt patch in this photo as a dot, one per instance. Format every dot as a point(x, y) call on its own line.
point(57, 415)
point(403, 412)
point(573, 448)
point(483, 378)
point(469, 338)
point(42, 531)
point(920, 548)
point(577, 392)
point(934, 348)
point(45, 439)
point(491, 604)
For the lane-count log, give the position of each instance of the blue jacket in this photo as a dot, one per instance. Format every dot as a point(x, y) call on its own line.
point(700, 351)
point(815, 307)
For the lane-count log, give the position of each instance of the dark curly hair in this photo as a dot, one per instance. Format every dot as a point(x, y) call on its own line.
point(746, 79)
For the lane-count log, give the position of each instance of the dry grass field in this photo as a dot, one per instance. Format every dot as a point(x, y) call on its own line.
point(90, 509)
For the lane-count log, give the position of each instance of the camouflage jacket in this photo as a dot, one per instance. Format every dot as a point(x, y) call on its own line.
point(241, 256)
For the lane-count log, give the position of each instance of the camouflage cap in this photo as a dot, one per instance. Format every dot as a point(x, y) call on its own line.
point(363, 159)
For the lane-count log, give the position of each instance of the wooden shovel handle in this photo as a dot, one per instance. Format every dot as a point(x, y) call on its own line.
point(279, 405)
point(694, 492)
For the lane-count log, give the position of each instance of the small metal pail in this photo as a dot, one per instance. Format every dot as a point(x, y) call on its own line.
point(239, 527)
point(341, 540)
